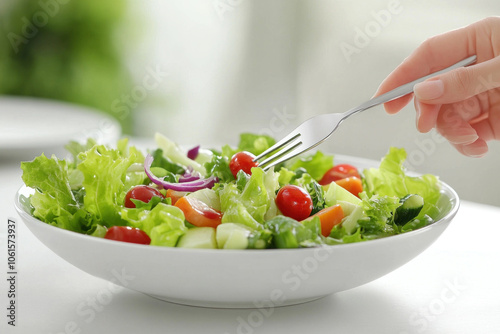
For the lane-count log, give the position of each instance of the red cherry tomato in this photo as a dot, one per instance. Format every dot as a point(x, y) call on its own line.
point(294, 202)
point(198, 213)
point(128, 234)
point(141, 193)
point(242, 161)
point(338, 172)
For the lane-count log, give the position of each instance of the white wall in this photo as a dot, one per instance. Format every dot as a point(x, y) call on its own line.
point(265, 66)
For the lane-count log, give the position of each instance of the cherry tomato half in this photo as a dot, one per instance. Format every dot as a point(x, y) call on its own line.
point(128, 234)
point(242, 161)
point(338, 172)
point(294, 202)
point(198, 213)
point(141, 193)
point(175, 195)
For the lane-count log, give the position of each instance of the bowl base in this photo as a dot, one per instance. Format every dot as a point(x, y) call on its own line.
point(233, 304)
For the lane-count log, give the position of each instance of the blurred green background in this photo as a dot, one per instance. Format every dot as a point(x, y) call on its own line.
point(65, 50)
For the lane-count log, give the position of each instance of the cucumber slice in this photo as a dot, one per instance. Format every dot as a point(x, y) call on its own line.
point(198, 237)
point(352, 214)
point(232, 236)
point(409, 209)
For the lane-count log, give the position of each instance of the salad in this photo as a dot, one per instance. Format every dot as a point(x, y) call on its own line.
point(201, 198)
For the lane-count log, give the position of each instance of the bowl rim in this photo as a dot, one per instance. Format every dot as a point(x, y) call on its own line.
point(445, 188)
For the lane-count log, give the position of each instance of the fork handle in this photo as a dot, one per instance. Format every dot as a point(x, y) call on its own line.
point(406, 88)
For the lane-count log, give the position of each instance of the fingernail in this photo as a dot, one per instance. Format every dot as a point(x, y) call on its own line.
point(475, 152)
point(463, 139)
point(429, 90)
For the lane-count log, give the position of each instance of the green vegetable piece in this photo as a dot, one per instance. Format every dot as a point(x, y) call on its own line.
point(198, 237)
point(255, 144)
point(252, 205)
point(289, 233)
point(316, 165)
point(390, 179)
point(410, 207)
point(104, 173)
point(164, 223)
point(53, 201)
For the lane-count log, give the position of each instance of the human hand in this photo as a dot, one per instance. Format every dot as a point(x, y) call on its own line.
point(463, 104)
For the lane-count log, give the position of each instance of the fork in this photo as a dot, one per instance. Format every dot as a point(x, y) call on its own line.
point(317, 129)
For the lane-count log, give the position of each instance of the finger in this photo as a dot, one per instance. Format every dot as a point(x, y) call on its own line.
point(427, 115)
point(477, 149)
point(438, 53)
point(454, 128)
point(483, 129)
point(460, 84)
point(396, 105)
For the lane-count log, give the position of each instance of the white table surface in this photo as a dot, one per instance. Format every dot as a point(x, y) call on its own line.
point(453, 287)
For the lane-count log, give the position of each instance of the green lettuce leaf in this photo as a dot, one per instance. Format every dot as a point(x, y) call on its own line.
point(289, 233)
point(104, 173)
point(53, 201)
point(255, 144)
point(163, 223)
point(316, 165)
point(379, 211)
point(219, 166)
point(390, 179)
point(252, 204)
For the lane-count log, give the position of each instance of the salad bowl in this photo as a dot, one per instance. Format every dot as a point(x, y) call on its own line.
point(224, 278)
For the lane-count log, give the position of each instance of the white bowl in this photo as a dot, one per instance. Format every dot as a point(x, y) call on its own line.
point(239, 278)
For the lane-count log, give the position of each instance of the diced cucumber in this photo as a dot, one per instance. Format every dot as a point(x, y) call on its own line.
point(198, 237)
point(336, 193)
point(409, 209)
point(350, 221)
point(232, 236)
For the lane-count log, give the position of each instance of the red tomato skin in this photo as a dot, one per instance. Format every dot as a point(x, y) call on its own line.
point(294, 202)
point(128, 234)
point(242, 161)
point(143, 193)
point(198, 213)
point(338, 172)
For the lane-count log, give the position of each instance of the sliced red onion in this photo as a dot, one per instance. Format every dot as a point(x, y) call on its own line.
point(193, 153)
point(188, 186)
point(188, 178)
point(189, 175)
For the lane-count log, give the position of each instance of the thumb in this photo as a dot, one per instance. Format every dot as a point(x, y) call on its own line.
point(460, 84)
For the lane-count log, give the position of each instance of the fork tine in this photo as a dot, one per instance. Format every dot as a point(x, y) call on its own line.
point(290, 146)
point(287, 139)
point(289, 154)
